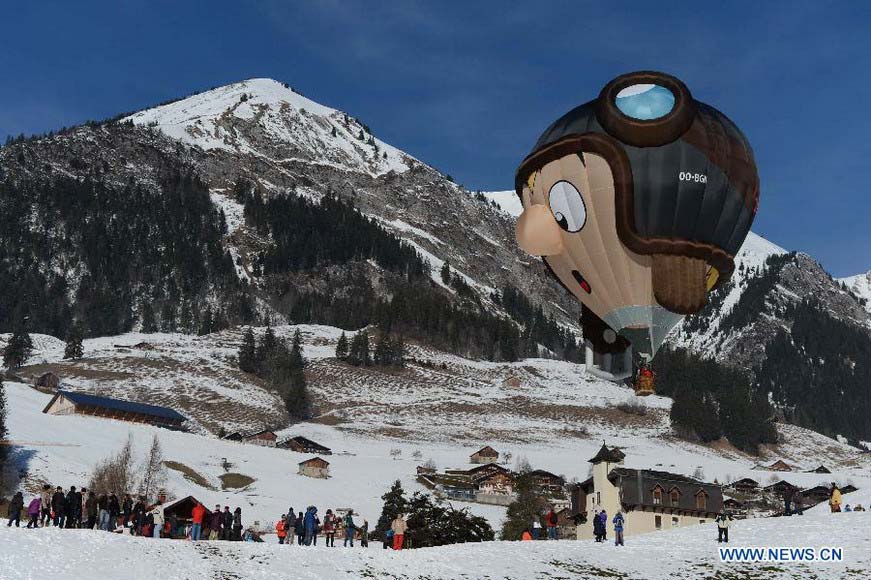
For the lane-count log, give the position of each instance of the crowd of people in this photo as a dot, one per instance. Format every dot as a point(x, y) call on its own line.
point(307, 526)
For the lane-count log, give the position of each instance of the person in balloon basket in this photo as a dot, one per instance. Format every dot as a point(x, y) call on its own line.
point(399, 527)
point(835, 498)
point(552, 525)
point(723, 520)
point(618, 522)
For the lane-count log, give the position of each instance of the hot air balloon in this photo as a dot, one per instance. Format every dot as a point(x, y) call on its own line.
point(637, 202)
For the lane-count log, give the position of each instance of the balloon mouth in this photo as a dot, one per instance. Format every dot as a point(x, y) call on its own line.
point(585, 286)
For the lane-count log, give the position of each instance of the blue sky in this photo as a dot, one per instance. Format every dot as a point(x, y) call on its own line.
point(468, 86)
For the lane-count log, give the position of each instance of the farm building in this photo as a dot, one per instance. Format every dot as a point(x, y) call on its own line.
point(745, 485)
point(70, 403)
point(849, 488)
point(495, 488)
point(235, 436)
point(302, 444)
point(451, 486)
point(264, 438)
point(779, 465)
point(181, 512)
point(315, 467)
point(484, 455)
point(820, 469)
point(547, 482)
point(817, 494)
point(781, 488)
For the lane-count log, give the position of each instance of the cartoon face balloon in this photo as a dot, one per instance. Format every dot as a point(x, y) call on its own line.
point(637, 202)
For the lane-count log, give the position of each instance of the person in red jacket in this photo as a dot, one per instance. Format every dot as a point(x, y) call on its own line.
point(199, 513)
point(281, 530)
point(552, 523)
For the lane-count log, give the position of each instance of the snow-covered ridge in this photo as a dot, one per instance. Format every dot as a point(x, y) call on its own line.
point(237, 117)
point(506, 200)
point(860, 284)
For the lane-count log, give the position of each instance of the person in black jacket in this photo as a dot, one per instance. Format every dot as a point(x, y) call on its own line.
point(74, 507)
point(59, 507)
point(126, 509)
point(138, 516)
point(114, 510)
point(15, 507)
point(299, 528)
point(91, 511)
point(226, 523)
point(237, 525)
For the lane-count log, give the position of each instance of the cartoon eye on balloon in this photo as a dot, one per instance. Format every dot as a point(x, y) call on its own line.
point(637, 202)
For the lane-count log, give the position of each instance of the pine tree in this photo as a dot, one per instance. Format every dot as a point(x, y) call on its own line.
point(207, 323)
point(383, 351)
point(3, 448)
point(398, 353)
point(248, 352)
point(359, 355)
point(334, 132)
point(18, 349)
point(74, 349)
point(342, 347)
point(266, 349)
point(394, 505)
point(446, 273)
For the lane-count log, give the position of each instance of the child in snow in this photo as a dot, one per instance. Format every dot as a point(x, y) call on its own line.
point(33, 510)
point(364, 534)
point(399, 528)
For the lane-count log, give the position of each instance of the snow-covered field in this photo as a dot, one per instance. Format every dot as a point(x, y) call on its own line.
point(690, 552)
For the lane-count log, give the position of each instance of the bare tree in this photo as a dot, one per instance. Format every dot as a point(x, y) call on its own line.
point(153, 470)
point(114, 474)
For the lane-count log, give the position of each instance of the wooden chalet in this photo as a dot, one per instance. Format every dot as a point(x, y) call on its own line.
point(448, 485)
point(424, 470)
point(72, 403)
point(484, 455)
point(849, 488)
point(781, 488)
point(744, 485)
point(496, 483)
point(547, 482)
point(820, 469)
point(779, 465)
point(733, 505)
point(315, 467)
point(265, 438)
point(181, 513)
point(234, 436)
point(302, 444)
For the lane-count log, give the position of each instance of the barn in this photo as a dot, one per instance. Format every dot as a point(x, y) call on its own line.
point(315, 467)
point(70, 403)
point(302, 444)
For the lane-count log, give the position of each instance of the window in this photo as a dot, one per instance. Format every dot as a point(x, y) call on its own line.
point(658, 522)
point(701, 521)
point(675, 497)
point(701, 500)
point(675, 521)
point(598, 498)
point(657, 495)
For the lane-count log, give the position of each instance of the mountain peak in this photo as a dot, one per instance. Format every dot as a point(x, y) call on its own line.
point(269, 119)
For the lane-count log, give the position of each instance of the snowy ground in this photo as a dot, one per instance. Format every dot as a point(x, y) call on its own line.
point(688, 553)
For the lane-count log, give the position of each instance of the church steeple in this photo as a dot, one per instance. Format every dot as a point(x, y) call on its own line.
point(612, 455)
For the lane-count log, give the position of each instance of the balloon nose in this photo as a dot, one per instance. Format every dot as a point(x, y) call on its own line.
point(538, 233)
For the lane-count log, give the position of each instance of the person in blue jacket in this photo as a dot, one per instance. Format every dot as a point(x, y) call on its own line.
point(310, 522)
point(618, 522)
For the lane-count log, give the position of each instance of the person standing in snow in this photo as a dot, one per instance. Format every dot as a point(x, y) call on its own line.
point(45, 496)
point(552, 525)
point(15, 507)
point(157, 517)
point(597, 527)
point(126, 510)
point(226, 523)
point(618, 528)
point(536, 529)
point(139, 516)
point(198, 514)
point(604, 528)
point(237, 524)
point(364, 534)
point(103, 511)
point(33, 511)
point(350, 528)
point(215, 519)
point(90, 511)
point(723, 520)
point(59, 507)
point(114, 511)
point(788, 494)
point(281, 529)
point(289, 521)
point(399, 528)
point(310, 524)
point(526, 536)
point(835, 498)
point(330, 529)
point(299, 528)
point(74, 507)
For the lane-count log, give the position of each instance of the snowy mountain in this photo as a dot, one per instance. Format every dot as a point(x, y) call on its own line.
point(860, 285)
